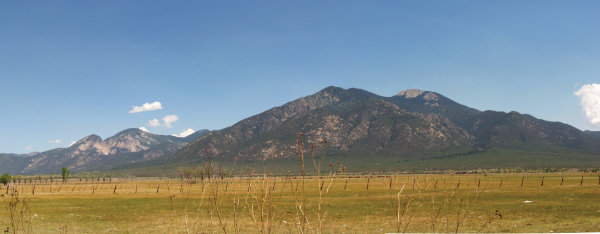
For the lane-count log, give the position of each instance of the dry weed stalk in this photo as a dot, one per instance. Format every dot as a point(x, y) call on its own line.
point(18, 211)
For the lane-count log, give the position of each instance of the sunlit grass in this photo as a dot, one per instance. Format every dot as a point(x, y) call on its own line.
point(432, 206)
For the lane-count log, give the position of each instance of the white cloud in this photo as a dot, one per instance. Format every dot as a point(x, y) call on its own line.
point(146, 107)
point(28, 147)
point(144, 129)
point(185, 133)
point(169, 119)
point(54, 141)
point(153, 123)
point(166, 121)
point(590, 101)
point(72, 143)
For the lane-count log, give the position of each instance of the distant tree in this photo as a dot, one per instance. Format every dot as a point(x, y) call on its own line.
point(65, 174)
point(188, 174)
point(547, 170)
point(5, 179)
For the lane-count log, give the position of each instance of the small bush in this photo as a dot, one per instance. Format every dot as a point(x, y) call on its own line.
point(5, 179)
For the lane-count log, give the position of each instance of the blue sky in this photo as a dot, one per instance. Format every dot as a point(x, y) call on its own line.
point(72, 68)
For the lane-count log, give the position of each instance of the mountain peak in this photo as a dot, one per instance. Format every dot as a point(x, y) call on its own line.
point(414, 93)
point(332, 89)
point(90, 138)
point(130, 131)
point(410, 93)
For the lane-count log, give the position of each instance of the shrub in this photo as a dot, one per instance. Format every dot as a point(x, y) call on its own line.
point(65, 174)
point(5, 179)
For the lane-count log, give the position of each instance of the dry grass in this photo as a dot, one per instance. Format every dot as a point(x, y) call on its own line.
point(317, 200)
point(311, 204)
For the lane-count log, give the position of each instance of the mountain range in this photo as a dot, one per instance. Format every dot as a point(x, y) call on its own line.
point(92, 152)
point(413, 129)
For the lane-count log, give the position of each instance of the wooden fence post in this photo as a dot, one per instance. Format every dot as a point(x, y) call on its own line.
point(522, 179)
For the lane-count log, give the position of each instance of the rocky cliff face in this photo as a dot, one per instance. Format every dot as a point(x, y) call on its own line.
point(92, 152)
point(411, 125)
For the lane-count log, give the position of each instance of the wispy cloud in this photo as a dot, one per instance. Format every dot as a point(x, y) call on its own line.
point(72, 143)
point(185, 133)
point(28, 147)
point(169, 119)
point(146, 107)
point(589, 95)
point(57, 141)
point(144, 129)
point(154, 123)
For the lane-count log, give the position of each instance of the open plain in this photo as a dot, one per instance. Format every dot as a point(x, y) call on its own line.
point(333, 203)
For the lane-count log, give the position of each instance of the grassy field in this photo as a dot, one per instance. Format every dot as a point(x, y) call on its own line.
point(495, 158)
point(339, 203)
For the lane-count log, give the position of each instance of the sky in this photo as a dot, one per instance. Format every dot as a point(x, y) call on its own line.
point(69, 69)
